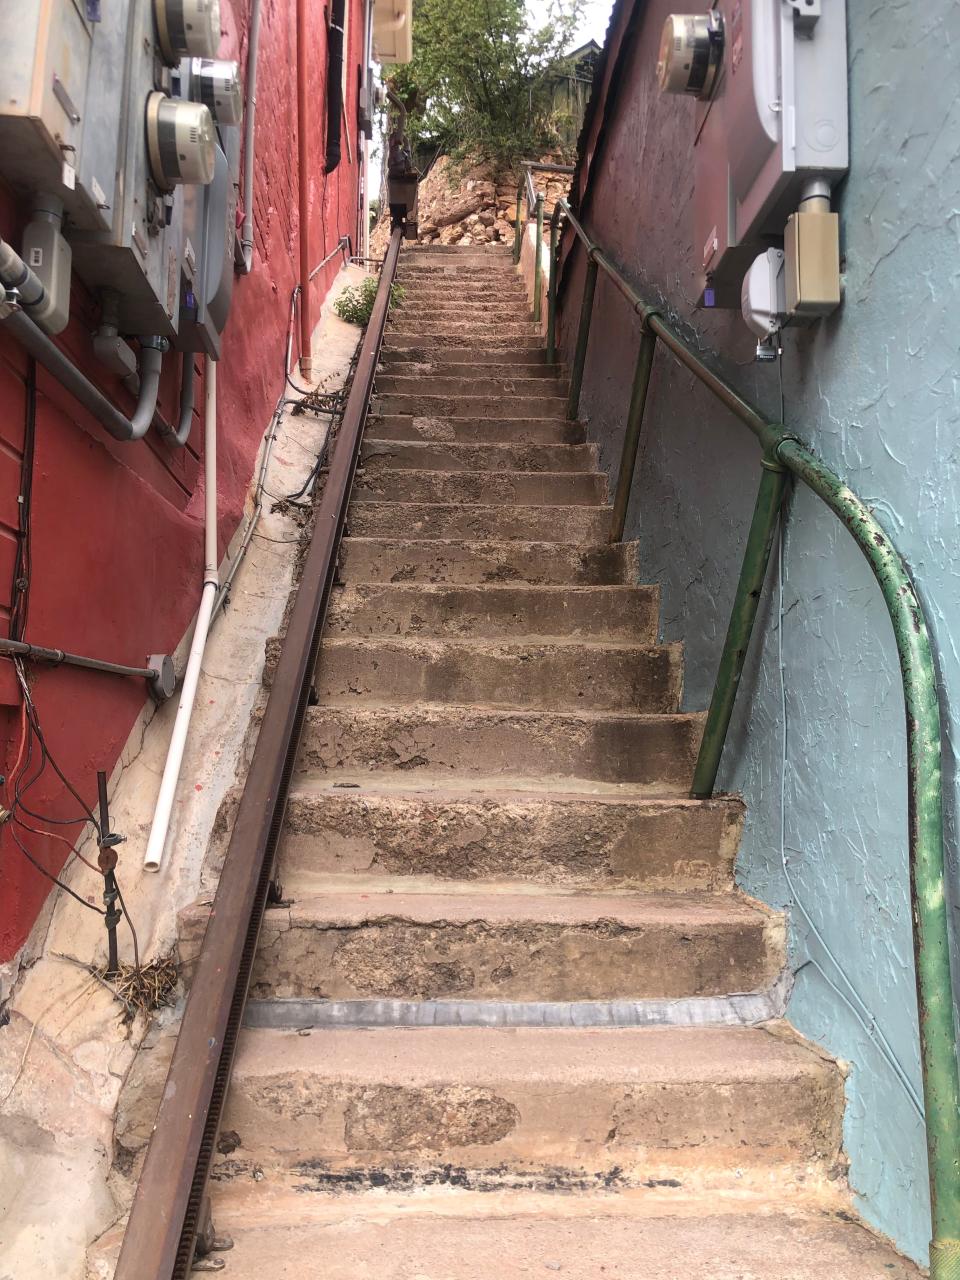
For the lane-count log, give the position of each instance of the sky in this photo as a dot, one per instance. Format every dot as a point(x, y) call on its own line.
point(596, 15)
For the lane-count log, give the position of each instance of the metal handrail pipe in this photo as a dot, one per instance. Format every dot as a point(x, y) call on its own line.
point(536, 166)
point(938, 1048)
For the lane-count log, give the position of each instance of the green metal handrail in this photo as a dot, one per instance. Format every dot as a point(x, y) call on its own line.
point(783, 454)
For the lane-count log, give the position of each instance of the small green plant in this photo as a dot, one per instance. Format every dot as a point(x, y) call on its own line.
point(356, 302)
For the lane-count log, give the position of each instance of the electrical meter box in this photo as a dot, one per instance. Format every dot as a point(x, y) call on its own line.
point(115, 108)
point(771, 118)
point(47, 46)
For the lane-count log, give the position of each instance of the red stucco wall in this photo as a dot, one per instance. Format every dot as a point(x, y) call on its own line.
point(117, 532)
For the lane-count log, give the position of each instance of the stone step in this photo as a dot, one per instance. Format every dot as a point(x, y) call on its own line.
point(654, 752)
point(435, 827)
point(424, 455)
point(403, 340)
point(462, 297)
point(473, 355)
point(465, 325)
point(467, 369)
point(489, 274)
point(448, 1233)
point(378, 941)
point(406, 426)
point(406, 560)
point(484, 305)
point(377, 671)
point(476, 384)
point(509, 488)
point(575, 1103)
point(495, 610)
point(423, 405)
point(497, 523)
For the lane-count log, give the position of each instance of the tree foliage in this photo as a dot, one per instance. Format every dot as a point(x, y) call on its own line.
point(479, 84)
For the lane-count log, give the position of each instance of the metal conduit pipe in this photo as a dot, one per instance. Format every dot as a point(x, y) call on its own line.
point(15, 274)
point(157, 840)
point(243, 256)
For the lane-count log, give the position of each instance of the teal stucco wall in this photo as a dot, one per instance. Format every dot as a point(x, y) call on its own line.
point(874, 389)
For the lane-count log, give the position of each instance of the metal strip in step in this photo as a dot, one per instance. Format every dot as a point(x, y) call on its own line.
point(742, 1009)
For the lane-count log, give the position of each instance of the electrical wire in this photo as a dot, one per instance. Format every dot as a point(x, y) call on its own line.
point(866, 1019)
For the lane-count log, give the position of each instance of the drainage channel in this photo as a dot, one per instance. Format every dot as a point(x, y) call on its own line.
point(169, 1219)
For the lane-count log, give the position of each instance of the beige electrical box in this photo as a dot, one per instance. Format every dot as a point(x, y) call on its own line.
point(811, 246)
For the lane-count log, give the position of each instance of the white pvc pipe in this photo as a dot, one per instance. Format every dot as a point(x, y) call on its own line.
point(211, 582)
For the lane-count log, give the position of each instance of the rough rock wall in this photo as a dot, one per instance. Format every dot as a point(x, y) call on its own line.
point(470, 204)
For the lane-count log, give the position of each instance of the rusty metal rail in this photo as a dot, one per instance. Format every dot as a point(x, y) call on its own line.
point(170, 1202)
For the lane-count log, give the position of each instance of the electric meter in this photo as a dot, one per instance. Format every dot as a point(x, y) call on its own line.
point(219, 89)
point(691, 49)
point(188, 28)
point(180, 141)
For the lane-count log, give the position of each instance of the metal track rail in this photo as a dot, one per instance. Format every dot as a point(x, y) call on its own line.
point(169, 1203)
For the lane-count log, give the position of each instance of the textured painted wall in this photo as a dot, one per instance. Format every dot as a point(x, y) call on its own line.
point(117, 528)
point(875, 390)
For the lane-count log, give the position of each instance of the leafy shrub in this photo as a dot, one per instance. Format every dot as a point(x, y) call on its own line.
point(356, 302)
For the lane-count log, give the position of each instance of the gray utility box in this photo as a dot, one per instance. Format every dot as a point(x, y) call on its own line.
point(78, 77)
point(777, 118)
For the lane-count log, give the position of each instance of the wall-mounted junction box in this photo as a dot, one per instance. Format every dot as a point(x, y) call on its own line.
point(78, 79)
point(771, 118)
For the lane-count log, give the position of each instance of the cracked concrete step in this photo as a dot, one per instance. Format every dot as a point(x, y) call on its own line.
point(489, 274)
point(466, 369)
point(503, 522)
point(436, 827)
point(480, 384)
point(425, 455)
point(654, 752)
point(299, 1229)
point(434, 560)
point(479, 354)
point(435, 339)
point(552, 676)
point(423, 404)
point(531, 431)
point(380, 941)
point(495, 611)
point(482, 488)
point(629, 1104)
point(483, 305)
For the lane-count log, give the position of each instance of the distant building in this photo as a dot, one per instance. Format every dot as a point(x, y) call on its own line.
point(571, 89)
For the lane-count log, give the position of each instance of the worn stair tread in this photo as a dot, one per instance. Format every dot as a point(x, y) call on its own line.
point(481, 488)
point(567, 1056)
point(492, 430)
point(451, 1234)
point(441, 455)
point(464, 562)
point(371, 897)
point(580, 522)
point(474, 354)
point(496, 788)
point(568, 672)
point(495, 610)
point(471, 369)
point(423, 404)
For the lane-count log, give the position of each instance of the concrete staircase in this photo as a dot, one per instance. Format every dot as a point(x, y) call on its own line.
point(503, 1024)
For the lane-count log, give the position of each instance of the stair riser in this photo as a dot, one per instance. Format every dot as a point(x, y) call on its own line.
point(464, 369)
point(460, 331)
point(588, 1129)
point(481, 306)
point(573, 524)
point(568, 677)
point(474, 430)
point(657, 754)
point(544, 489)
point(403, 341)
point(578, 843)
point(478, 385)
point(466, 406)
point(465, 563)
point(490, 275)
point(399, 959)
point(492, 611)
point(377, 456)
point(481, 354)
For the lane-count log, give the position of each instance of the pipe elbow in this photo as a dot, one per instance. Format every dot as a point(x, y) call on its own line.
point(151, 364)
